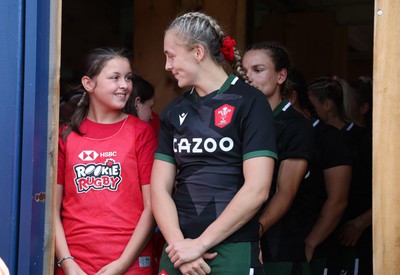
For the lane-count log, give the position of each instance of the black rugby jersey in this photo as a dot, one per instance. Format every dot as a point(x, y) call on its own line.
point(295, 140)
point(208, 138)
point(294, 136)
point(330, 150)
point(360, 194)
point(286, 240)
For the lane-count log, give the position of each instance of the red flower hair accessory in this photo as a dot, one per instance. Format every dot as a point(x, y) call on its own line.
point(227, 48)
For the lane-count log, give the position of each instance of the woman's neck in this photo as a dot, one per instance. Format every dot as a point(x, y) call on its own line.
point(274, 100)
point(336, 121)
point(210, 80)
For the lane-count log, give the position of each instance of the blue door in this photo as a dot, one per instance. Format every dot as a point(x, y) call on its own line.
point(11, 79)
point(25, 31)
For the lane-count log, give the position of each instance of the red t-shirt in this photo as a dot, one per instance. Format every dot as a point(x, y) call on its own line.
point(102, 173)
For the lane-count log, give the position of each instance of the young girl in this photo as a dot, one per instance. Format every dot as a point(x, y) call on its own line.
point(267, 65)
point(104, 218)
point(217, 141)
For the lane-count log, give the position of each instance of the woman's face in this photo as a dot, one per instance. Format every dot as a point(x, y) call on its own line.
point(261, 71)
point(144, 111)
point(180, 60)
point(357, 111)
point(319, 107)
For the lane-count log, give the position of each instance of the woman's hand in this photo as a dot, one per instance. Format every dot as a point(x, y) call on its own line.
point(187, 250)
point(309, 251)
point(350, 233)
point(196, 267)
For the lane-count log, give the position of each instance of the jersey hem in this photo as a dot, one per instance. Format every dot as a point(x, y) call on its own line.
point(261, 153)
point(164, 158)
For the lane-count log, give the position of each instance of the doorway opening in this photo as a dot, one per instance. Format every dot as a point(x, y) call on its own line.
point(87, 25)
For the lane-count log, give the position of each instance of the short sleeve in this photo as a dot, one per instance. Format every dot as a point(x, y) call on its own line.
point(258, 129)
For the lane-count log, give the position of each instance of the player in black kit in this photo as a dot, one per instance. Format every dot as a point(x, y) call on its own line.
point(218, 142)
point(267, 65)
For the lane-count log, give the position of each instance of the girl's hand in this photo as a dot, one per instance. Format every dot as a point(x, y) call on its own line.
point(70, 267)
point(113, 268)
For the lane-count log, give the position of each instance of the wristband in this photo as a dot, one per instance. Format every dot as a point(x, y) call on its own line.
point(63, 259)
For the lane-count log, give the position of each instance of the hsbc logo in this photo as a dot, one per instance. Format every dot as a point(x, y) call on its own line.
point(88, 155)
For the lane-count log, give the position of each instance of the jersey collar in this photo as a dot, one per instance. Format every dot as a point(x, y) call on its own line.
point(316, 121)
point(231, 80)
point(348, 126)
point(282, 107)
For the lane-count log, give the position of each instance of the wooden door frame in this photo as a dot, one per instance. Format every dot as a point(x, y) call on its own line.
point(386, 142)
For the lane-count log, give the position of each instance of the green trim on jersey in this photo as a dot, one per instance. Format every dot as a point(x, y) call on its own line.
point(227, 84)
point(281, 107)
point(262, 153)
point(165, 158)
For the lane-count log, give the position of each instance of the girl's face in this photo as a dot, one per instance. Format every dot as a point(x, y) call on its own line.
point(180, 60)
point(111, 88)
point(144, 109)
point(261, 71)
